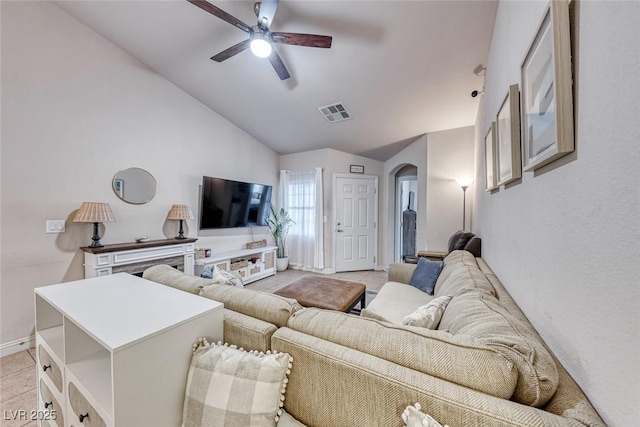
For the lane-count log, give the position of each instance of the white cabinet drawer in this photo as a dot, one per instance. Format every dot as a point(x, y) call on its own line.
point(49, 367)
point(82, 410)
point(50, 409)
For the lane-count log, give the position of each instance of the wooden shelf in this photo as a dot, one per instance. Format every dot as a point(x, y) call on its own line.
point(118, 247)
point(134, 258)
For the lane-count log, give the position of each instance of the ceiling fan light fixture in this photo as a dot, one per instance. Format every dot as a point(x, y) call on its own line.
point(260, 46)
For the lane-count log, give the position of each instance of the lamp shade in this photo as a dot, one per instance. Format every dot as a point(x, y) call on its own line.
point(180, 212)
point(464, 182)
point(94, 212)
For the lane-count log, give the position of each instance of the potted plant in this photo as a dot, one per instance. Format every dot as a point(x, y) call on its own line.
point(279, 224)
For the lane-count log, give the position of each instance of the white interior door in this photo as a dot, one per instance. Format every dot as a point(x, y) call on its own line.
point(356, 207)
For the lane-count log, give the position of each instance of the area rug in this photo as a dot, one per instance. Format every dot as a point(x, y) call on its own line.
point(368, 297)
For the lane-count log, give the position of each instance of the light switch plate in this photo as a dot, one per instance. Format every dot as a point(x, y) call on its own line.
point(55, 226)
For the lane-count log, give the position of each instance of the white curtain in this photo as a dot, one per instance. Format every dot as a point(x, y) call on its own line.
point(301, 196)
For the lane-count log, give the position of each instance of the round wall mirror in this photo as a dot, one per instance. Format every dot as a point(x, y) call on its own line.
point(134, 185)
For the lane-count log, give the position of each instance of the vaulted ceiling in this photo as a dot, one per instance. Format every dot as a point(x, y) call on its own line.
point(401, 68)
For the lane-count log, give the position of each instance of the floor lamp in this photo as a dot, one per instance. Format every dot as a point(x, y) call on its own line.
point(464, 184)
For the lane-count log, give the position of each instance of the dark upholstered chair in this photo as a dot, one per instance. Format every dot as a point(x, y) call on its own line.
point(465, 240)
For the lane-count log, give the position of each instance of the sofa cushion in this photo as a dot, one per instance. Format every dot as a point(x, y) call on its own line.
point(425, 275)
point(169, 276)
point(477, 313)
point(459, 359)
point(262, 305)
point(429, 315)
point(394, 301)
point(246, 331)
point(460, 272)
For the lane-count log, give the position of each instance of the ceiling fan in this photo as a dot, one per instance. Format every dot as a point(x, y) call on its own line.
point(260, 36)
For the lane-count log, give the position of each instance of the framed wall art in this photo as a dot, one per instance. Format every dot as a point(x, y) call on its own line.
point(356, 169)
point(547, 99)
point(508, 138)
point(491, 182)
point(118, 187)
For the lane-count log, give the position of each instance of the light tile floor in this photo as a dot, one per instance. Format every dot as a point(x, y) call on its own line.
point(18, 390)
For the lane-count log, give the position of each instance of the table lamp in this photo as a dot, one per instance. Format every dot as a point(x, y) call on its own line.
point(180, 212)
point(96, 213)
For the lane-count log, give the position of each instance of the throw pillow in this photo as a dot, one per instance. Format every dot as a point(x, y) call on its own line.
point(425, 275)
point(230, 386)
point(221, 277)
point(414, 417)
point(429, 315)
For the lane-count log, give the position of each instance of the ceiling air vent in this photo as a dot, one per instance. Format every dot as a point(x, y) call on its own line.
point(335, 112)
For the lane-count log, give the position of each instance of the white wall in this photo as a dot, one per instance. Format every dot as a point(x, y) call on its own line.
point(333, 162)
point(564, 241)
point(450, 157)
point(440, 158)
point(75, 110)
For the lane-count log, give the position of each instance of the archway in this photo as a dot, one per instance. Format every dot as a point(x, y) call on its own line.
point(405, 212)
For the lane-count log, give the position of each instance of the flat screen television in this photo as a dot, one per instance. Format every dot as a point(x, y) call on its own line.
point(231, 204)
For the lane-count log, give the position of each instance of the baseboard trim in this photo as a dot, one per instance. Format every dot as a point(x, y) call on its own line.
point(16, 346)
point(312, 270)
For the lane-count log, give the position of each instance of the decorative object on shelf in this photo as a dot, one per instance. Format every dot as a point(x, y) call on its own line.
point(547, 98)
point(181, 213)
point(259, 244)
point(140, 186)
point(464, 183)
point(203, 253)
point(509, 166)
point(279, 224)
point(356, 168)
point(142, 239)
point(96, 213)
point(490, 158)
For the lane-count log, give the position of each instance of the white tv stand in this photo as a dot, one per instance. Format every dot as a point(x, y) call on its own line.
point(264, 265)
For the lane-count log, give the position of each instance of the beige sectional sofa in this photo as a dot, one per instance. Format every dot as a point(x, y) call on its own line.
point(250, 317)
point(484, 366)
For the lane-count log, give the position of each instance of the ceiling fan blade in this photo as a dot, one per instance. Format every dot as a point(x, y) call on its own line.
point(267, 11)
point(278, 65)
point(233, 50)
point(216, 11)
point(298, 39)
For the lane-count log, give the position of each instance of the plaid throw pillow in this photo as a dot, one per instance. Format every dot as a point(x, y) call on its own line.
point(228, 386)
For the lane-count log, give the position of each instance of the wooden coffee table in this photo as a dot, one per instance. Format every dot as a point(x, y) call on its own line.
point(325, 292)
